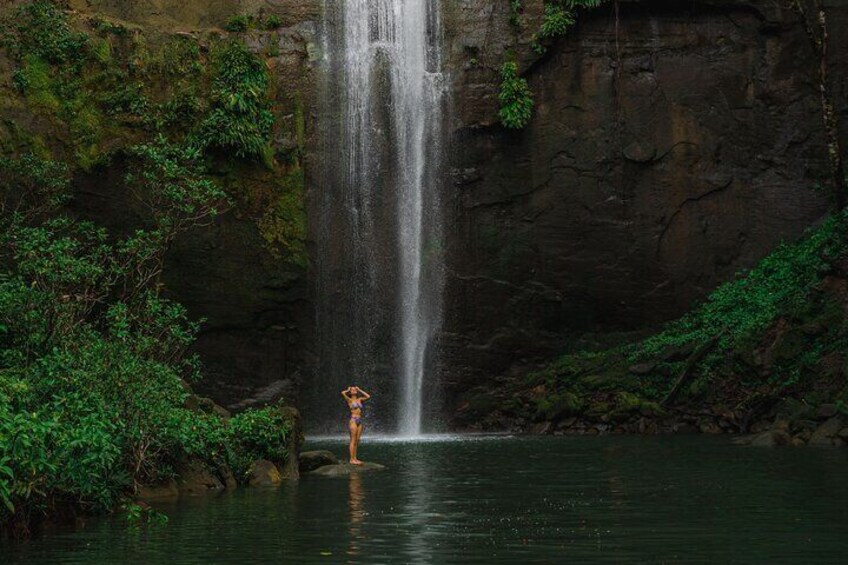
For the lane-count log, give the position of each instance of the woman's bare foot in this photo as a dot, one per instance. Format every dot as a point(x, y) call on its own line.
point(355, 462)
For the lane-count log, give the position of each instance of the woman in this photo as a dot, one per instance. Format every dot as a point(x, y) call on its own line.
point(355, 396)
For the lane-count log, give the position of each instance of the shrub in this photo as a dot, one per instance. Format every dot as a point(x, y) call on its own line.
point(258, 434)
point(515, 97)
point(238, 24)
point(273, 22)
point(240, 119)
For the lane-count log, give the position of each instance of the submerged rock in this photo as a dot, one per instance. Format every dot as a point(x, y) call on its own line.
point(311, 460)
point(770, 438)
point(345, 469)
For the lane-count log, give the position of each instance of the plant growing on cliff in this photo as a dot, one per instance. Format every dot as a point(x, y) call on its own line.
point(516, 99)
point(41, 30)
point(240, 119)
point(559, 17)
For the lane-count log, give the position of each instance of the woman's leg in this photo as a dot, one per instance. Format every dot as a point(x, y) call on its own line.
point(358, 435)
point(351, 426)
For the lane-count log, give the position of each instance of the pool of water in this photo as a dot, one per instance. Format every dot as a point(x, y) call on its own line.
point(506, 500)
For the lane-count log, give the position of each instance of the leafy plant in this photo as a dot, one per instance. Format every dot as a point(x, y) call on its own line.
point(240, 119)
point(515, 97)
point(259, 434)
point(238, 24)
point(273, 22)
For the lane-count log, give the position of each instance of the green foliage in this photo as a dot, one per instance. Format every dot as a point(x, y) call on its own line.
point(238, 24)
point(42, 31)
point(516, 8)
point(516, 99)
point(243, 23)
point(240, 119)
point(171, 180)
point(138, 515)
point(740, 313)
point(779, 285)
point(258, 434)
point(93, 360)
point(273, 22)
point(560, 16)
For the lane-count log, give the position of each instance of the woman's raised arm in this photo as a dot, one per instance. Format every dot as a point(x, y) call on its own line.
point(364, 394)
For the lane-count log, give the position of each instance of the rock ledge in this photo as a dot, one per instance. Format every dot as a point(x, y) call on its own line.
point(345, 469)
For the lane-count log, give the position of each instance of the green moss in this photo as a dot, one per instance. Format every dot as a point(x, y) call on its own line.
point(239, 24)
point(284, 224)
point(35, 79)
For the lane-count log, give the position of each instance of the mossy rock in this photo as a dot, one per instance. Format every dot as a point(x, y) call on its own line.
point(553, 408)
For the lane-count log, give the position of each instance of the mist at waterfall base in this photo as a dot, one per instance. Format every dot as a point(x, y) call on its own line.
point(379, 253)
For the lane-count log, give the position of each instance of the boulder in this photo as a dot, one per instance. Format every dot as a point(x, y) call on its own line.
point(311, 460)
point(825, 433)
point(290, 469)
point(227, 477)
point(345, 469)
point(196, 478)
point(771, 438)
point(843, 433)
point(263, 473)
point(826, 411)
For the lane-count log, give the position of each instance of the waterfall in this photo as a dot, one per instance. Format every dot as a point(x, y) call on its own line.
point(379, 247)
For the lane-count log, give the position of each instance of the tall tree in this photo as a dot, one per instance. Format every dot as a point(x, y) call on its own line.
point(813, 16)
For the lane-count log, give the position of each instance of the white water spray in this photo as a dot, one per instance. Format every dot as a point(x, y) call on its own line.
point(391, 106)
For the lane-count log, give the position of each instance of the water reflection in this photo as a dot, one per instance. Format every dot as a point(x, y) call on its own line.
point(417, 507)
point(355, 502)
point(592, 500)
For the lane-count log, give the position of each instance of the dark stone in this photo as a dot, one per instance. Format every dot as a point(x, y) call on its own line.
point(678, 352)
point(227, 477)
point(264, 474)
point(195, 478)
point(291, 466)
point(642, 368)
point(628, 197)
point(167, 489)
point(771, 438)
point(345, 469)
point(826, 411)
point(640, 152)
point(825, 433)
point(311, 460)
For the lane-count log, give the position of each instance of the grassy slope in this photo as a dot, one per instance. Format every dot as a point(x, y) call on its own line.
point(779, 330)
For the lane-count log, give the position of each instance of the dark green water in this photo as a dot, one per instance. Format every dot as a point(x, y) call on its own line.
point(544, 500)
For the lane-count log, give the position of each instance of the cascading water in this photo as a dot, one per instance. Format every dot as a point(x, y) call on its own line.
point(379, 257)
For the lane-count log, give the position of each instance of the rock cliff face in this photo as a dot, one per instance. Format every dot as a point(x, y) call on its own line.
point(255, 300)
point(673, 144)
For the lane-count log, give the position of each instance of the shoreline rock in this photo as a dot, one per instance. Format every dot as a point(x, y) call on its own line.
point(345, 469)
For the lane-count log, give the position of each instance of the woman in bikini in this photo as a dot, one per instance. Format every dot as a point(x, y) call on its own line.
point(355, 396)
